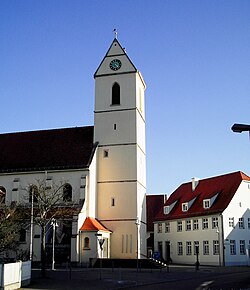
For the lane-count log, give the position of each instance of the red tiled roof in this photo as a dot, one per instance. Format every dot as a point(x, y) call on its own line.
point(225, 186)
point(91, 224)
point(154, 203)
point(46, 149)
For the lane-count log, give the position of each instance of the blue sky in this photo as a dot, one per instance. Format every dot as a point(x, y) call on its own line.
point(194, 57)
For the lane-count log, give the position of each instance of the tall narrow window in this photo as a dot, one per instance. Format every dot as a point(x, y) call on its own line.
point(242, 247)
point(115, 94)
point(215, 247)
point(205, 247)
point(33, 191)
point(22, 235)
point(2, 194)
point(67, 192)
point(179, 248)
point(241, 223)
point(159, 225)
point(232, 247)
point(188, 248)
point(86, 243)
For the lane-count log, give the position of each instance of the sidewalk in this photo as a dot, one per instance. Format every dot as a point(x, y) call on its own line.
point(120, 278)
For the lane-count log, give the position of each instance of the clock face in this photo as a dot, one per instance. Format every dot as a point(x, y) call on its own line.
point(115, 64)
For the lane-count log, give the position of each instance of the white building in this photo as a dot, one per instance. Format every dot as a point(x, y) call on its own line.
point(103, 165)
point(210, 215)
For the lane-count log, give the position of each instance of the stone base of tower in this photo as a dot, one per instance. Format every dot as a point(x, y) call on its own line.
point(127, 239)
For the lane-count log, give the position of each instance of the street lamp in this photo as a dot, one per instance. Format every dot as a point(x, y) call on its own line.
point(218, 233)
point(239, 128)
point(197, 263)
point(137, 223)
point(31, 222)
point(54, 225)
point(101, 241)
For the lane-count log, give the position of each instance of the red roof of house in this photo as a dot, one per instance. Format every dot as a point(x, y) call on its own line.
point(66, 148)
point(91, 224)
point(224, 186)
point(154, 203)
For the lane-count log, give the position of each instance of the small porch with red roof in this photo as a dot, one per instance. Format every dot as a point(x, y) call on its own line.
point(94, 240)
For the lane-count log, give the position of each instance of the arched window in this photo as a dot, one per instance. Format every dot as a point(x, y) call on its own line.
point(22, 235)
point(33, 190)
point(86, 243)
point(2, 194)
point(67, 192)
point(116, 94)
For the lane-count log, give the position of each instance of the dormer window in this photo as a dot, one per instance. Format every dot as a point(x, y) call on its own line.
point(185, 206)
point(167, 208)
point(206, 203)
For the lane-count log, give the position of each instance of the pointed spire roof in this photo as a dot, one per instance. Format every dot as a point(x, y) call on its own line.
point(115, 51)
point(92, 225)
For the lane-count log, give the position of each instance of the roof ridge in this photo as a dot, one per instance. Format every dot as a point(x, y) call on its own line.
point(45, 130)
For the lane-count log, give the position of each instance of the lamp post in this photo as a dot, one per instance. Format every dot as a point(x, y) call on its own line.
point(54, 225)
point(100, 241)
point(218, 233)
point(31, 223)
point(137, 223)
point(197, 264)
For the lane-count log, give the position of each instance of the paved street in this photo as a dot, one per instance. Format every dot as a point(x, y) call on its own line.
point(178, 278)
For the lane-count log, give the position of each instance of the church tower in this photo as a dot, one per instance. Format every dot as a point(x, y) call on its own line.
point(121, 157)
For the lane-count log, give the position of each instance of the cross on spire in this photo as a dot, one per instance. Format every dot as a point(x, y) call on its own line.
point(115, 33)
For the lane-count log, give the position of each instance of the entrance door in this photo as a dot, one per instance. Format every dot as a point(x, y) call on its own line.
point(160, 250)
point(168, 258)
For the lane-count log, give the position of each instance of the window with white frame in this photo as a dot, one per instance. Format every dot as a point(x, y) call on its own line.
point(185, 206)
point(248, 223)
point(205, 247)
point(241, 223)
point(166, 209)
point(231, 222)
point(242, 247)
point(159, 225)
point(188, 225)
point(188, 248)
point(179, 248)
point(215, 223)
point(205, 223)
point(206, 203)
point(232, 247)
point(215, 247)
point(179, 226)
point(195, 225)
point(167, 227)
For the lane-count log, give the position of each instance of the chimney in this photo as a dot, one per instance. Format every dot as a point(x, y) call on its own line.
point(195, 182)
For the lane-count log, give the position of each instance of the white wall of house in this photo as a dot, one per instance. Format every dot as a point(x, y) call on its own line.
point(236, 227)
point(232, 234)
point(202, 235)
